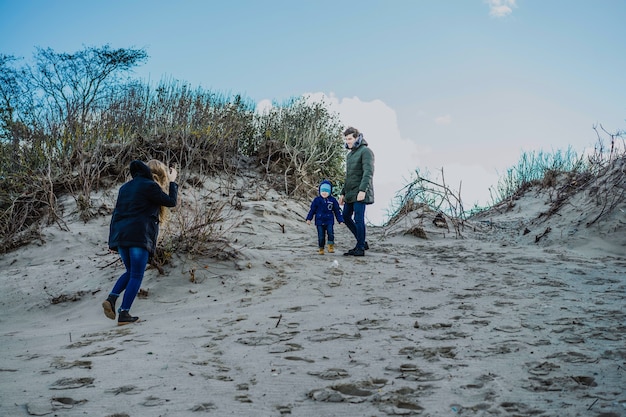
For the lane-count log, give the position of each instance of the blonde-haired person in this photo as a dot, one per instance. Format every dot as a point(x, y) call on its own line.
point(161, 174)
point(135, 228)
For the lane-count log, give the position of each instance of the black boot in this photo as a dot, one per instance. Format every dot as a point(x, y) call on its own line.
point(125, 318)
point(355, 252)
point(109, 306)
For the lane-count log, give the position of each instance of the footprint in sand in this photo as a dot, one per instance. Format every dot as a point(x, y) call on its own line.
point(203, 407)
point(287, 347)
point(298, 358)
point(72, 383)
point(331, 373)
point(325, 336)
point(102, 352)
point(542, 369)
point(572, 357)
point(398, 402)
point(451, 335)
point(431, 354)
point(152, 401)
point(60, 363)
point(411, 372)
point(243, 398)
point(43, 408)
point(91, 338)
point(284, 409)
point(512, 408)
point(372, 324)
point(384, 301)
point(125, 389)
point(480, 381)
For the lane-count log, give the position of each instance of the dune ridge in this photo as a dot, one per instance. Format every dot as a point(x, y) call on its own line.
point(516, 311)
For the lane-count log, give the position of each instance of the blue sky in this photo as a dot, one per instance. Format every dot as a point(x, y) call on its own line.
point(460, 85)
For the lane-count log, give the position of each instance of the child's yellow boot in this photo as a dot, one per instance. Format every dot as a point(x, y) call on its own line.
point(331, 248)
point(321, 251)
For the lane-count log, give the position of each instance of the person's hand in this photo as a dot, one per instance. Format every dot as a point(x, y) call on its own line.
point(340, 201)
point(173, 174)
point(308, 222)
point(360, 196)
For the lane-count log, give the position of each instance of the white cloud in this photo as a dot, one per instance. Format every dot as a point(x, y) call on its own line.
point(500, 8)
point(263, 106)
point(469, 180)
point(443, 120)
point(395, 157)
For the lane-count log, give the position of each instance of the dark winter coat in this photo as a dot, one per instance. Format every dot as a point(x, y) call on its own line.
point(325, 210)
point(135, 220)
point(359, 172)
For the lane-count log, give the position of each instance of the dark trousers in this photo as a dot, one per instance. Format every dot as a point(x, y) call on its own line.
point(322, 231)
point(354, 217)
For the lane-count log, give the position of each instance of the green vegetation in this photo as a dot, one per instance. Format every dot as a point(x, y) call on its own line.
point(564, 170)
point(71, 123)
point(535, 168)
point(543, 170)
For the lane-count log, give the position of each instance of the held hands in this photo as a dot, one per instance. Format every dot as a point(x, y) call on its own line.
point(359, 197)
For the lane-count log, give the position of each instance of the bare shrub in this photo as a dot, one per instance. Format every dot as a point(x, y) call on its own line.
point(25, 206)
point(438, 198)
point(302, 144)
point(71, 123)
point(607, 169)
point(198, 228)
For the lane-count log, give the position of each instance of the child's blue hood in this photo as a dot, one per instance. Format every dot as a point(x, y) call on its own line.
point(319, 189)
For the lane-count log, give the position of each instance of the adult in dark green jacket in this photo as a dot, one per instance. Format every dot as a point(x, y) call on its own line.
point(358, 189)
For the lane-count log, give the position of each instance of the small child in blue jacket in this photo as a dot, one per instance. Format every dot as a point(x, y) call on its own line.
point(325, 208)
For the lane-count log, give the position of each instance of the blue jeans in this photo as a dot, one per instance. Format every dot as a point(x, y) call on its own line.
point(135, 261)
point(322, 231)
point(354, 217)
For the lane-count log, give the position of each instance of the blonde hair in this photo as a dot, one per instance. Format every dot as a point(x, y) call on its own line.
point(161, 176)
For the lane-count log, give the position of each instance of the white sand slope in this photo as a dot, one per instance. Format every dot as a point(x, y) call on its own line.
point(485, 321)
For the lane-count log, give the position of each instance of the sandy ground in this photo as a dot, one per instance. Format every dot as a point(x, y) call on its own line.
point(482, 321)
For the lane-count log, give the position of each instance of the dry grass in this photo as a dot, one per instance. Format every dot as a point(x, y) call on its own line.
point(600, 174)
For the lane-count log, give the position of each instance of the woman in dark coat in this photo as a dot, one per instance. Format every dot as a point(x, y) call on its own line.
point(135, 228)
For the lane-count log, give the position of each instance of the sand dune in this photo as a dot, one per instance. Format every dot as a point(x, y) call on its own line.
point(495, 318)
